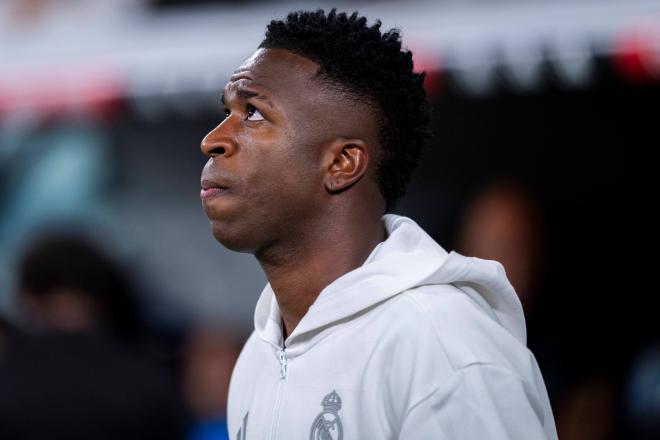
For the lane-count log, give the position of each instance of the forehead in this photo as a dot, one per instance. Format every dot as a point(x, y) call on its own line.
point(277, 70)
point(305, 102)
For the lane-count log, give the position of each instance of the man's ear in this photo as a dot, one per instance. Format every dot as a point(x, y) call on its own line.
point(345, 163)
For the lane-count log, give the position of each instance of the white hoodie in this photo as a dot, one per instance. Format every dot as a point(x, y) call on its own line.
point(414, 344)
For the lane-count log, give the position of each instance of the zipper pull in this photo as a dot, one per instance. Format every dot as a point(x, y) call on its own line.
point(282, 355)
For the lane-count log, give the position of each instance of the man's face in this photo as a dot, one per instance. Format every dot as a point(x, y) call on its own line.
point(263, 179)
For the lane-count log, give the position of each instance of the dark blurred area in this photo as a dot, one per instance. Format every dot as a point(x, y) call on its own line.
point(121, 317)
point(73, 367)
point(83, 364)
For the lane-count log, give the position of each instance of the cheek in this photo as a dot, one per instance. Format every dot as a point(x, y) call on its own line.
point(284, 167)
point(282, 183)
point(280, 186)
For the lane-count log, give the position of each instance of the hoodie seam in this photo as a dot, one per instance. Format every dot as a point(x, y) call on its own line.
point(420, 307)
point(444, 387)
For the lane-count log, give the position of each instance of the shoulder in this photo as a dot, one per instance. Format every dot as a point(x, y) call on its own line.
point(482, 401)
point(464, 329)
point(483, 361)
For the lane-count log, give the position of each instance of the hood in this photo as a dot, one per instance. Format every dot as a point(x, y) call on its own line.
point(408, 258)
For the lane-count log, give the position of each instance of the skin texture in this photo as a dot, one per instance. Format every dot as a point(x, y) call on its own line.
point(296, 159)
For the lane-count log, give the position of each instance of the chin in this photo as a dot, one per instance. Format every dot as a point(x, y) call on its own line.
point(233, 239)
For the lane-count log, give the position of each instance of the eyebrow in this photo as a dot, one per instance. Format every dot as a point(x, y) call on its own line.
point(247, 94)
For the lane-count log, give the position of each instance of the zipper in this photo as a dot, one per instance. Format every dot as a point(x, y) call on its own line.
point(281, 354)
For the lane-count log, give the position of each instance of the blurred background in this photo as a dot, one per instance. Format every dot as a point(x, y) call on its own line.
point(546, 117)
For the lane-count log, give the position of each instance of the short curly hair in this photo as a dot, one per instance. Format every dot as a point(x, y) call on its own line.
point(371, 65)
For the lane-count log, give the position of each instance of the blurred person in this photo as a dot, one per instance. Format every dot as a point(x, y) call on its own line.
point(502, 223)
point(67, 285)
point(71, 375)
point(367, 328)
point(209, 355)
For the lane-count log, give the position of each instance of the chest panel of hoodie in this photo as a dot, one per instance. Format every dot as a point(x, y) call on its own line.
point(364, 375)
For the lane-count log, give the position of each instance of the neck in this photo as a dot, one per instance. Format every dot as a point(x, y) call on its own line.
point(302, 267)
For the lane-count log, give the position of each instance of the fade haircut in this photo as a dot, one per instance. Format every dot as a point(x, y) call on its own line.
point(367, 64)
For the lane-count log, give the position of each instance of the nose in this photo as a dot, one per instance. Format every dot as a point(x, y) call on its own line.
point(218, 141)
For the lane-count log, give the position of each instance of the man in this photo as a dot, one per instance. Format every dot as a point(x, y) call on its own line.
point(367, 329)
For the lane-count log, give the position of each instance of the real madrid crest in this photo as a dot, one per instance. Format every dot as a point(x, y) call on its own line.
point(327, 425)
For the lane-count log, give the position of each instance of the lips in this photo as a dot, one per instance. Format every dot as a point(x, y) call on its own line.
point(212, 189)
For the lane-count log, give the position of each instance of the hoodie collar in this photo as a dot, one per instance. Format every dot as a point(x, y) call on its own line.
point(408, 258)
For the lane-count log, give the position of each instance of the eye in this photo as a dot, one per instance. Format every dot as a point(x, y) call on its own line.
point(227, 113)
point(253, 114)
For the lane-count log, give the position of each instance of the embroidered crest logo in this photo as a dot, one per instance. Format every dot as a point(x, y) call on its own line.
point(327, 425)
